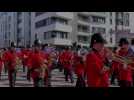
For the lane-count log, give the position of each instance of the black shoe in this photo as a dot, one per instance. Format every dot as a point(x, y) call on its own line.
point(66, 80)
point(72, 81)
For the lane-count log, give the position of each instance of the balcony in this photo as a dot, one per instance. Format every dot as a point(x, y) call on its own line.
point(57, 41)
point(64, 15)
point(83, 33)
point(98, 14)
point(84, 13)
point(83, 22)
point(67, 15)
point(57, 27)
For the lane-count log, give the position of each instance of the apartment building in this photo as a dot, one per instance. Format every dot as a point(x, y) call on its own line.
point(64, 28)
point(15, 26)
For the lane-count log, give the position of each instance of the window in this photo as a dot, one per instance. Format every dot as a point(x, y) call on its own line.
point(19, 30)
point(82, 39)
point(96, 19)
point(9, 26)
point(9, 18)
point(126, 19)
point(98, 30)
point(63, 35)
point(41, 23)
point(111, 40)
point(127, 16)
point(9, 34)
point(53, 34)
point(59, 20)
point(45, 35)
point(110, 21)
point(36, 36)
point(127, 23)
point(82, 28)
point(83, 18)
point(19, 13)
point(19, 21)
point(49, 21)
point(119, 21)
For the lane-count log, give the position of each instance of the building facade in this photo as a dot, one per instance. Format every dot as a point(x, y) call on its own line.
point(64, 28)
point(15, 26)
point(52, 27)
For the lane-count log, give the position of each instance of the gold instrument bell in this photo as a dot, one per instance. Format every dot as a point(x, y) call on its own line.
point(123, 60)
point(18, 63)
point(118, 58)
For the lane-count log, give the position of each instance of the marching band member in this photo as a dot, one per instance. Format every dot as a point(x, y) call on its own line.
point(114, 69)
point(5, 59)
point(97, 73)
point(1, 62)
point(132, 48)
point(23, 57)
point(79, 65)
point(37, 65)
point(67, 63)
point(60, 61)
point(29, 54)
point(12, 60)
point(125, 73)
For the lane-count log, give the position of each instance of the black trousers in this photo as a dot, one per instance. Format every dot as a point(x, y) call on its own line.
point(5, 68)
point(24, 68)
point(59, 65)
point(47, 80)
point(124, 83)
point(68, 73)
point(114, 76)
point(133, 78)
point(80, 82)
point(12, 77)
point(28, 75)
point(38, 82)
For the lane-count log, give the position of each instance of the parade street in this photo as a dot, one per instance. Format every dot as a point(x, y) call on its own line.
point(57, 80)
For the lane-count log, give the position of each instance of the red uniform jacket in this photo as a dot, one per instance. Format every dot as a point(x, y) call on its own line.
point(11, 59)
point(94, 65)
point(24, 56)
point(67, 59)
point(124, 74)
point(61, 57)
point(36, 59)
point(78, 65)
point(5, 56)
point(1, 64)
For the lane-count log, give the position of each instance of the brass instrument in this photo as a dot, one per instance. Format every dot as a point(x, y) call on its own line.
point(18, 63)
point(120, 59)
point(1, 54)
point(42, 69)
